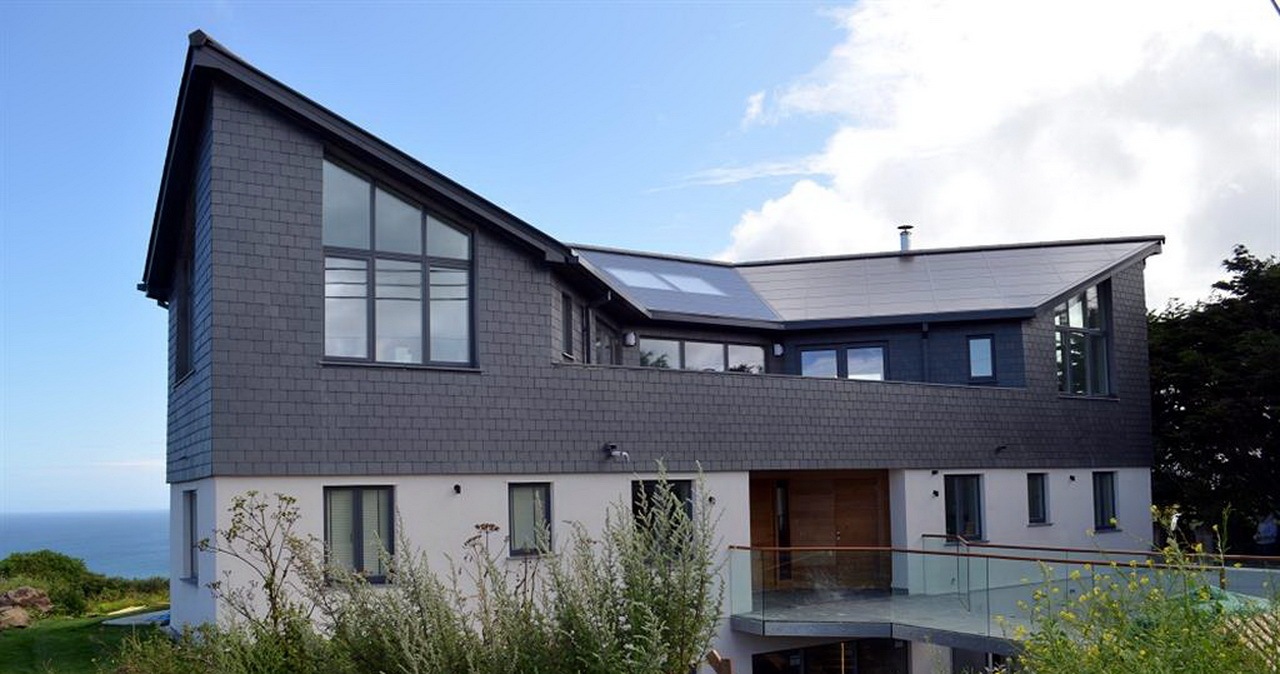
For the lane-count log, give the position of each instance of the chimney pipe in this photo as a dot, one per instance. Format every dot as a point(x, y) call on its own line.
point(905, 236)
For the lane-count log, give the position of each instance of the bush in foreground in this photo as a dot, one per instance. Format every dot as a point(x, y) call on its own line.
point(73, 588)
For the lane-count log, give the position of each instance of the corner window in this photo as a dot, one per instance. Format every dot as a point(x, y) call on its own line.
point(982, 362)
point(388, 297)
point(358, 533)
point(964, 506)
point(190, 538)
point(530, 511)
point(1104, 500)
point(705, 356)
point(866, 362)
point(1080, 343)
point(1037, 498)
point(608, 344)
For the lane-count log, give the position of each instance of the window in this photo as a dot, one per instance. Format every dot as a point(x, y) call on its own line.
point(358, 531)
point(1080, 342)
point(190, 538)
point(1037, 498)
point(982, 362)
point(530, 506)
point(585, 327)
point(866, 362)
point(566, 326)
point(645, 496)
point(397, 279)
point(964, 506)
point(1104, 500)
point(608, 344)
point(705, 356)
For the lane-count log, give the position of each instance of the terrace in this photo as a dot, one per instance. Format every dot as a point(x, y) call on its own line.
point(950, 591)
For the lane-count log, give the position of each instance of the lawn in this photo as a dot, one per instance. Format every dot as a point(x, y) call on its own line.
point(62, 645)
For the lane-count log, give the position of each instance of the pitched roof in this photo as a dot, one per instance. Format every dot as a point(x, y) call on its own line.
point(956, 283)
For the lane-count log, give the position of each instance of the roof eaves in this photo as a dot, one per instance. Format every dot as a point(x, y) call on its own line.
point(650, 255)
point(1142, 253)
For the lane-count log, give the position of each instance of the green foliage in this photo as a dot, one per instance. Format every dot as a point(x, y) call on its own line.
point(1138, 618)
point(1215, 383)
point(63, 645)
point(73, 588)
point(642, 599)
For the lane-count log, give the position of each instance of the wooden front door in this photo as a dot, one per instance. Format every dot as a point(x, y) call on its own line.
point(822, 509)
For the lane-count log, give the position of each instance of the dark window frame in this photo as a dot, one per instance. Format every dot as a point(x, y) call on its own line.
point(683, 488)
point(584, 317)
point(357, 523)
point(952, 504)
point(608, 340)
point(724, 353)
point(426, 262)
point(545, 489)
point(1090, 335)
point(1105, 501)
point(566, 327)
point(190, 536)
point(842, 350)
point(1038, 501)
point(991, 351)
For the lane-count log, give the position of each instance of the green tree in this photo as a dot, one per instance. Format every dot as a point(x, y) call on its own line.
point(1215, 375)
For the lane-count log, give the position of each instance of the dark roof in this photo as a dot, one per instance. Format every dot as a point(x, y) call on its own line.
point(943, 284)
point(207, 62)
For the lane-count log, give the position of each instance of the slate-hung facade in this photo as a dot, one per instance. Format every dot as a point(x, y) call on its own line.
point(349, 326)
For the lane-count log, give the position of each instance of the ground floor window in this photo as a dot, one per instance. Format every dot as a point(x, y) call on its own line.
point(1104, 500)
point(358, 532)
point(964, 506)
point(530, 510)
point(190, 538)
point(859, 656)
point(1037, 498)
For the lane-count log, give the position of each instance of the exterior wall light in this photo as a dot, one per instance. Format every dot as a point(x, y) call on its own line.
point(777, 350)
point(629, 339)
point(457, 489)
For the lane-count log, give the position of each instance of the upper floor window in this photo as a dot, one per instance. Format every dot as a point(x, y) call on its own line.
point(706, 356)
point(850, 362)
point(1080, 339)
point(397, 279)
point(982, 362)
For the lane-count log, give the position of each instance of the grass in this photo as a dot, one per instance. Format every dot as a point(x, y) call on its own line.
point(62, 645)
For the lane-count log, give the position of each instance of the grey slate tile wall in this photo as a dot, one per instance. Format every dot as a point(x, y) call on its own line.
point(278, 411)
point(190, 400)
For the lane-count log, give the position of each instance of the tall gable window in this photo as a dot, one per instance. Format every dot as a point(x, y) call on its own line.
point(397, 279)
point(1080, 340)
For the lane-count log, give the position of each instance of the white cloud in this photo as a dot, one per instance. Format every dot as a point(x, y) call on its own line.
point(989, 122)
point(755, 109)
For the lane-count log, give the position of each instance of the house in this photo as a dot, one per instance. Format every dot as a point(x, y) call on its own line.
point(353, 328)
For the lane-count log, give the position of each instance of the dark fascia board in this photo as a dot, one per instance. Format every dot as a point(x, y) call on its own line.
point(1141, 254)
point(1153, 238)
point(1018, 313)
point(206, 56)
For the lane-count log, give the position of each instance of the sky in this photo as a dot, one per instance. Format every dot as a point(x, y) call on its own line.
point(729, 130)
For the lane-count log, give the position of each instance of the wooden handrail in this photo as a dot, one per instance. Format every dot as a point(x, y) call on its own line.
point(1148, 553)
point(974, 555)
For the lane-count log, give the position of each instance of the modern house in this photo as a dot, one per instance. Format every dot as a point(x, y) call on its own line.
point(351, 327)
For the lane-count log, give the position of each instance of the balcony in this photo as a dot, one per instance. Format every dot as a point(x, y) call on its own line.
point(949, 592)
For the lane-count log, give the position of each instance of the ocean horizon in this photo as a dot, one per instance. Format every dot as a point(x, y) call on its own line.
point(130, 544)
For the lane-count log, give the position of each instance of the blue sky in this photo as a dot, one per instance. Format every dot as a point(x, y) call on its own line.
point(712, 129)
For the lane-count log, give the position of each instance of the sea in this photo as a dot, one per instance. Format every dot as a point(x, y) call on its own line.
point(133, 544)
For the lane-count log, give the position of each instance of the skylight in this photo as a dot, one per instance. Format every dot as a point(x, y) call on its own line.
point(639, 279)
point(691, 284)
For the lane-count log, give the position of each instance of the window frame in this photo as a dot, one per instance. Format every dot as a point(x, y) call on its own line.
point(683, 488)
point(535, 551)
point(951, 512)
point(1043, 500)
point(426, 261)
point(1106, 502)
point(682, 359)
point(190, 537)
point(608, 340)
point(357, 523)
point(1090, 335)
point(991, 353)
point(842, 359)
point(566, 328)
